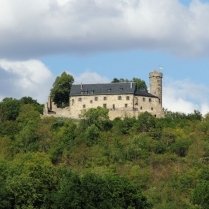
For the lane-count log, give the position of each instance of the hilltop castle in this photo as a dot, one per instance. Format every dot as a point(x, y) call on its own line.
point(122, 99)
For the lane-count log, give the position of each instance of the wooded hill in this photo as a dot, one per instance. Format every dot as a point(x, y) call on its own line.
point(142, 162)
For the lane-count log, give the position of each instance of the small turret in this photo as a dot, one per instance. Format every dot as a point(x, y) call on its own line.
point(156, 84)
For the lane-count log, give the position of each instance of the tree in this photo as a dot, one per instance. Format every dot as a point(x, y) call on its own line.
point(95, 116)
point(140, 83)
point(30, 181)
point(61, 89)
point(29, 100)
point(10, 108)
point(200, 195)
point(94, 191)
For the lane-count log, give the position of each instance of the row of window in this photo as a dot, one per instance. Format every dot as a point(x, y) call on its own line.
point(105, 98)
point(113, 106)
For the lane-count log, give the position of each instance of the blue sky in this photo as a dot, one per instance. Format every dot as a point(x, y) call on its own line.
point(98, 40)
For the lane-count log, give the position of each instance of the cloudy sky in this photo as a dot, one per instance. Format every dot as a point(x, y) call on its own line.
point(97, 40)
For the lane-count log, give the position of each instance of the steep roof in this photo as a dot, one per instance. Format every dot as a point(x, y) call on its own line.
point(107, 89)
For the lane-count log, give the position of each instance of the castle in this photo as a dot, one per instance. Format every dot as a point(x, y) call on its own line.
point(122, 99)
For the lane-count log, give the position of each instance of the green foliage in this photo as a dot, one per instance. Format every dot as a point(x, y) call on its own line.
point(180, 147)
point(200, 195)
point(95, 116)
point(31, 178)
point(29, 100)
point(94, 191)
point(140, 83)
point(10, 108)
point(61, 89)
point(107, 164)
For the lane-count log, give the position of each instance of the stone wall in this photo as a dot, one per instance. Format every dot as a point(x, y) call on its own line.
point(156, 84)
point(119, 105)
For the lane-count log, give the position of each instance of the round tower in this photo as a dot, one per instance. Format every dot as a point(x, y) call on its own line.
point(156, 84)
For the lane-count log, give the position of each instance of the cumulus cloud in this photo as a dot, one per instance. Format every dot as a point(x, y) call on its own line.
point(35, 28)
point(88, 77)
point(185, 96)
point(32, 78)
point(25, 78)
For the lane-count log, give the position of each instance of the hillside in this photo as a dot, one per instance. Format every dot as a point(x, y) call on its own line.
point(143, 162)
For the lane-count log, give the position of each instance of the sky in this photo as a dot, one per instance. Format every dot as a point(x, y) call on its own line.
point(98, 40)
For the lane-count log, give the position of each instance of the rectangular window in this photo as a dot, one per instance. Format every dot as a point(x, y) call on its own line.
point(84, 106)
point(91, 101)
point(113, 107)
point(151, 108)
point(105, 105)
point(119, 98)
point(140, 108)
point(127, 98)
point(79, 99)
point(126, 105)
point(150, 99)
point(96, 98)
point(143, 99)
point(105, 98)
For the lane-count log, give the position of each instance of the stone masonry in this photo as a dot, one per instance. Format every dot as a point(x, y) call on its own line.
point(122, 99)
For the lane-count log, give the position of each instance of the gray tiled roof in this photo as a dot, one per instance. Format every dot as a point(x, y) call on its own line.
point(107, 89)
point(143, 93)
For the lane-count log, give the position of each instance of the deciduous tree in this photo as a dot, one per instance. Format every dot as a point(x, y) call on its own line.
point(61, 89)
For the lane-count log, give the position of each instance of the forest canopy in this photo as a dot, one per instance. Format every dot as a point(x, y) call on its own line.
point(141, 162)
point(61, 89)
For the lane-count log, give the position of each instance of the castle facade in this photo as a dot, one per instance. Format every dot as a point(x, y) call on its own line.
point(122, 99)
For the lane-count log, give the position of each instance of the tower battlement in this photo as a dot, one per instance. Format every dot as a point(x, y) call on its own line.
point(156, 73)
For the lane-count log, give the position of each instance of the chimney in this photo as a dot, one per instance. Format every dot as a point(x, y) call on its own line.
point(131, 85)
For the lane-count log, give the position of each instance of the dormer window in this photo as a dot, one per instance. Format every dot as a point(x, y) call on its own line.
point(109, 89)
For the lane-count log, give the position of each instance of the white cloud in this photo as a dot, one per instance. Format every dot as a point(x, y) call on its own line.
point(88, 77)
point(25, 78)
point(34, 28)
point(185, 96)
point(32, 78)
